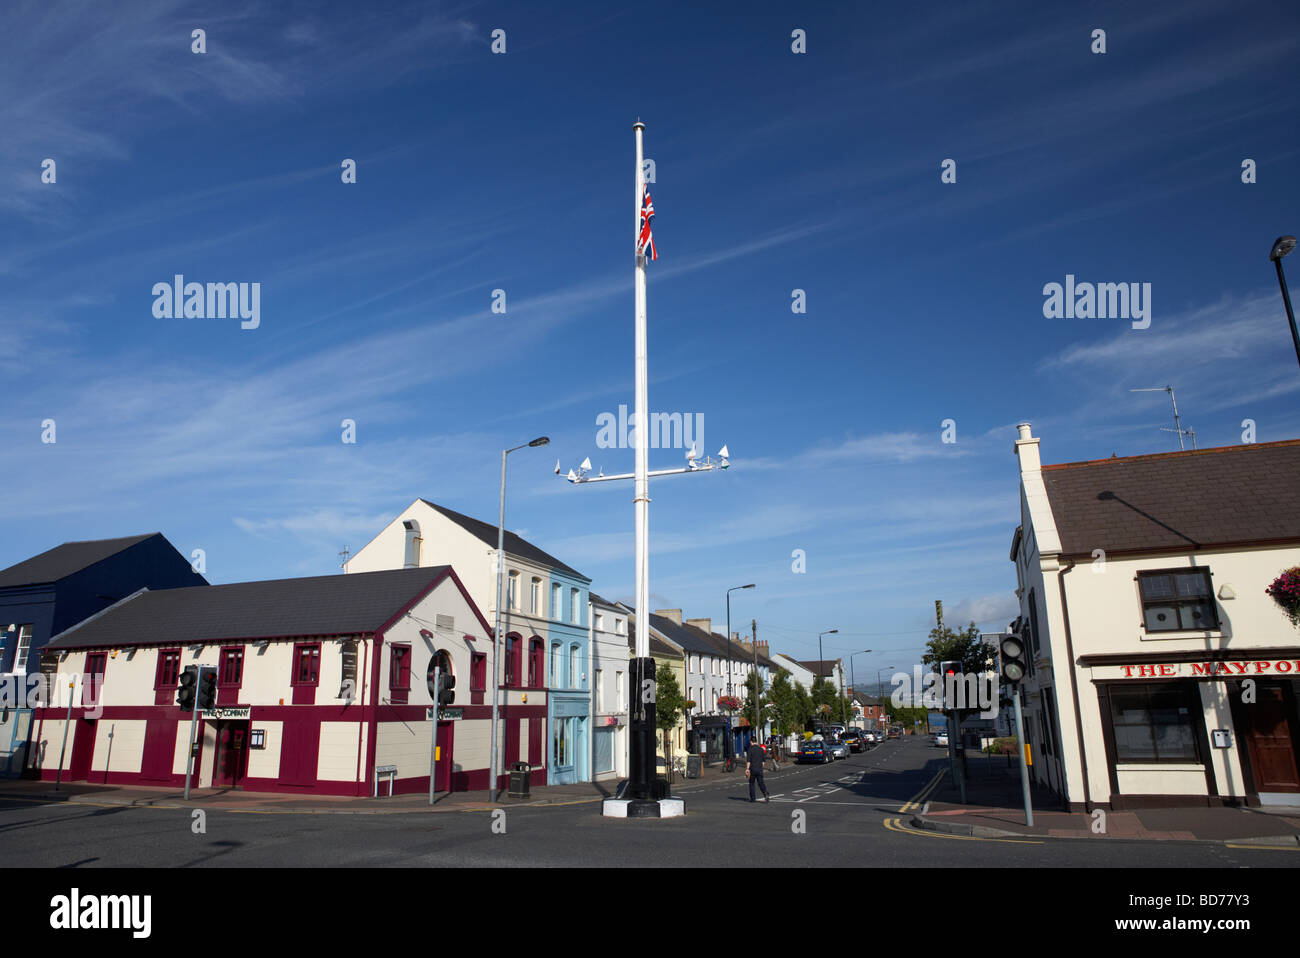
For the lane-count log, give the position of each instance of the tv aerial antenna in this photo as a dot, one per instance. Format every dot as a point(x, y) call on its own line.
point(1178, 425)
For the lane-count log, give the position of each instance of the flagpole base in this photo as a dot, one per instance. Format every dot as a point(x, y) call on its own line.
point(643, 808)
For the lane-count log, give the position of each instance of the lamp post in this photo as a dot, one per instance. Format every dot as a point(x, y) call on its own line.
point(730, 748)
point(820, 659)
point(880, 691)
point(493, 771)
point(1281, 246)
point(852, 679)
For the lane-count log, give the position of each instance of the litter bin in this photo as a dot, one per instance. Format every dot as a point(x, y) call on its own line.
point(519, 773)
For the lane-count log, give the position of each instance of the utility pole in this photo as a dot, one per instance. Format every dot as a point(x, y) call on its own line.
point(758, 683)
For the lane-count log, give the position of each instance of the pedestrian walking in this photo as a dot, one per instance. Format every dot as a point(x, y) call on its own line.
point(754, 771)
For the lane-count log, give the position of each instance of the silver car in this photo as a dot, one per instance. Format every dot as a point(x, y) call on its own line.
point(837, 747)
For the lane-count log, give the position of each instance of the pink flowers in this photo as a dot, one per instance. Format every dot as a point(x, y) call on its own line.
point(1285, 591)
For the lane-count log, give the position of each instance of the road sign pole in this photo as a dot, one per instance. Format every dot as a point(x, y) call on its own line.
point(1024, 769)
point(433, 745)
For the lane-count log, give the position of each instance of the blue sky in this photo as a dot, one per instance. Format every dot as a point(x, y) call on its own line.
point(774, 171)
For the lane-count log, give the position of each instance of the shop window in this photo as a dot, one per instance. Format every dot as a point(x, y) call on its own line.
point(399, 674)
point(1154, 723)
point(306, 673)
point(1177, 600)
point(168, 673)
point(477, 677)
point(512, 654)
point(93, 680)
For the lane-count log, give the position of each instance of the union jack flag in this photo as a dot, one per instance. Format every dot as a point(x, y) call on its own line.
point(645, 243)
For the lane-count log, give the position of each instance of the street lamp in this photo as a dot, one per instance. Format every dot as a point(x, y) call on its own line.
point(852, 680)
point(730, 744)
point(880, 690)
point(496, 639)
point(820, 658)
point(1281, 246)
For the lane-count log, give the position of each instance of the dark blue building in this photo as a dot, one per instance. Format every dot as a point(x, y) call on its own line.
point(49, 593)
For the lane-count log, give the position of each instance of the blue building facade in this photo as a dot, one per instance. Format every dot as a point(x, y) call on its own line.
point(568, 671)
point(49, 593)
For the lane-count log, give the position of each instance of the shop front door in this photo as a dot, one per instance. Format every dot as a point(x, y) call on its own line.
point(1270, 736)
point(232, 754)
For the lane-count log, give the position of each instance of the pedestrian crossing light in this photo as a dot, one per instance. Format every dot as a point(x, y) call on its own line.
point(188, 687)
point(1014, 664)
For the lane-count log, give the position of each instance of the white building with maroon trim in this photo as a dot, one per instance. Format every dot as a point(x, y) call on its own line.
point(320, 682)
point(1160, 671)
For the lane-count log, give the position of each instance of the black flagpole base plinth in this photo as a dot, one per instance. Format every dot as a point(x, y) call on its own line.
point(644, 794)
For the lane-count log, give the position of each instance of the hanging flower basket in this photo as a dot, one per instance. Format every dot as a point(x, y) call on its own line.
point(1285, 591)
point(689, 704)
point(728, 702)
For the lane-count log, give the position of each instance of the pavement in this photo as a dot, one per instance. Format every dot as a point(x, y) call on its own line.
point(994, 807)
point(235, 799)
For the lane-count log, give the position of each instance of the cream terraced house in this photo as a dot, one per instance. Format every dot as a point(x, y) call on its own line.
point(1160, 671)
point(546, 667)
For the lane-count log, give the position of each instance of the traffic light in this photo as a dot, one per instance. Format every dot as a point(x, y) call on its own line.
point(189, 686)
point(444, 694)
point(949, 677)
point(207, 694)
point(1014, 662)
point(446, 689)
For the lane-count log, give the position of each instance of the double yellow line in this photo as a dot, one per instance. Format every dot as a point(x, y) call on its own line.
point(896, 824)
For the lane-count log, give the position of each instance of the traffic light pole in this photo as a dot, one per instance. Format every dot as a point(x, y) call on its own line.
point(433, 745)
point(1024, 769)
point(189, 762)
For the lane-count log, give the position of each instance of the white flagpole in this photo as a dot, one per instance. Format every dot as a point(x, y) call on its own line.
point(642, 497)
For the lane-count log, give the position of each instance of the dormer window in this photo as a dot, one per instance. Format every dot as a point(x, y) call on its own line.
point(1177, 600)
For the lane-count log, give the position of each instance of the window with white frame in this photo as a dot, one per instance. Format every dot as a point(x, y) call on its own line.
point(535, 597)
point(555, 666)
point(24, 646)
point(618, 625)
point(575, 613)
point(557, 602)
point(600, 622)
point(575, 679)
point(598, 690)
point(620, 690)
point(512, 590)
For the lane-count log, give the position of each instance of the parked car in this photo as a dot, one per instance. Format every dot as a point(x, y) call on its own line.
point(941, 739)
point(815, 750)
point(870, 738)
point(855, 739)
point(838, 747)
point(895, 733)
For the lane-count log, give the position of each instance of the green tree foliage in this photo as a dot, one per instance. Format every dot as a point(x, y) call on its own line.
point(785, 708)
point(668, 704)
point(965, 647)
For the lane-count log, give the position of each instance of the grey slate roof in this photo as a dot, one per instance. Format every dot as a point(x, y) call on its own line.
point(822, 668)
point(1178, 500)
point(321, 605)
point(62, 561)
point(515, 545)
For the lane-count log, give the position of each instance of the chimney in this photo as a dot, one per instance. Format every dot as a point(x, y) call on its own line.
point(762, 647)
point(1026, 448)
point(674, 614)
point(705, 624)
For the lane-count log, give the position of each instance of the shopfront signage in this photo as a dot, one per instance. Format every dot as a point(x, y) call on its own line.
point(1212, 670)
point(227, 713)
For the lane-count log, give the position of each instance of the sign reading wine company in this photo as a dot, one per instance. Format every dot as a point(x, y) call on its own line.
point(226, 713)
